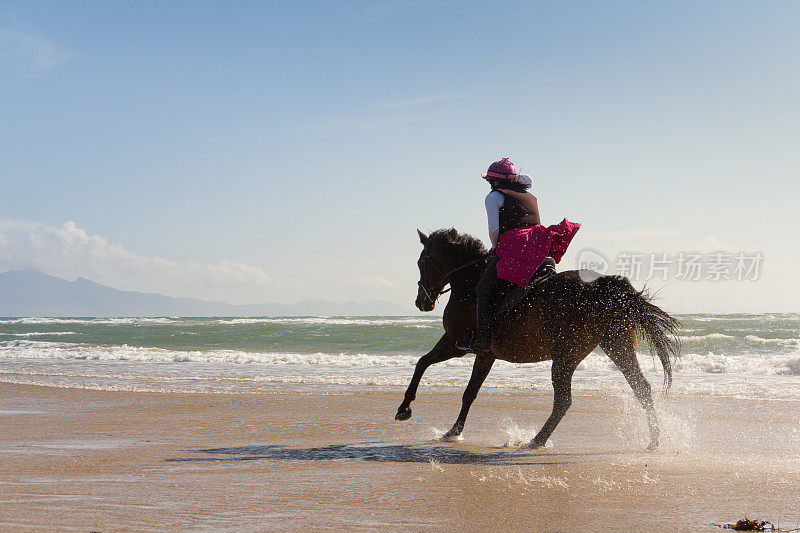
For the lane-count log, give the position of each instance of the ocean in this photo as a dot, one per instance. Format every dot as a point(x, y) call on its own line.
point(741, 355)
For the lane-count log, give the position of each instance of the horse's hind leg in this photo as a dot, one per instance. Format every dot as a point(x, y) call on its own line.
point(562, 371)
point(445, 349)
point(622, 351)
point(480, 369)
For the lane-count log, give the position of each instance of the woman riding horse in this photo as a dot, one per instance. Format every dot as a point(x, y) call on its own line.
point(561, 319)
point(519, 243)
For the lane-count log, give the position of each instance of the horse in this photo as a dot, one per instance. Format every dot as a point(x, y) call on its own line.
point(562, 319)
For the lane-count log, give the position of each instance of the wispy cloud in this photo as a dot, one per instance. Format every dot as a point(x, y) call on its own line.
point(415, 101)
point(359, 123)
point(26, 53)
point(68, 251)
point(379, 115)
point(428, 99)
point(393, 8)
point(485, 89)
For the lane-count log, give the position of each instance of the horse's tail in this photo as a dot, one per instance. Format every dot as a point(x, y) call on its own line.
point(632, 307)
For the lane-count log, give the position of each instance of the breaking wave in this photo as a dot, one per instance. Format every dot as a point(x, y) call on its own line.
point(757, 355)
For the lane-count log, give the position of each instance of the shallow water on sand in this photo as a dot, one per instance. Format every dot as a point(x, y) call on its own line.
point(122, 460)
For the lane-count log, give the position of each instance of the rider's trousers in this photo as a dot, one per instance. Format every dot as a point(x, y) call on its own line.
point(486, 291)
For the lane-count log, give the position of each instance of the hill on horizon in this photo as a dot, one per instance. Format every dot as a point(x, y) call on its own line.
point(34, 293)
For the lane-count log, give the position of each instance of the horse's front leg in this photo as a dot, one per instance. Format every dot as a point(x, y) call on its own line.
point(445, 349)
point(480, 369)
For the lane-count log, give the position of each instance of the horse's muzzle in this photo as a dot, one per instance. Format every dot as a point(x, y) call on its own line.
point(424, 304)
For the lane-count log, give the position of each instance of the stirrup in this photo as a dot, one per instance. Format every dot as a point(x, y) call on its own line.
point(464, 344)
point(472, 344)
point(481, 345)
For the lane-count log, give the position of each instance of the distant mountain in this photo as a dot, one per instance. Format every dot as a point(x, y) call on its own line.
point(34, 293)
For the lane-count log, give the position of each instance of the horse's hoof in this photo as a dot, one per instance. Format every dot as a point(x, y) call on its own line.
point(535, 444)
point(451, 437)
point(403, 414)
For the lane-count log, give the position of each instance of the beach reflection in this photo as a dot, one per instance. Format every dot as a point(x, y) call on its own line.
point(397, 453)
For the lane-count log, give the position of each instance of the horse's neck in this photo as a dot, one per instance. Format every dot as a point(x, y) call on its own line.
point(464, 282)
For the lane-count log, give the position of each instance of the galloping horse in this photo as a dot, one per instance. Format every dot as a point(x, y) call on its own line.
point(563, 319)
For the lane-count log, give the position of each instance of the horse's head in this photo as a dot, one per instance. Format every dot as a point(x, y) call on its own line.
point(432, 269)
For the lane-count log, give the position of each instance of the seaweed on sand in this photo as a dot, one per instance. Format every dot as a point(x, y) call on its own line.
point(745, 524)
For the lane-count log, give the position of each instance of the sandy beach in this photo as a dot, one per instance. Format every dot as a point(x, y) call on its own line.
point(98, 460)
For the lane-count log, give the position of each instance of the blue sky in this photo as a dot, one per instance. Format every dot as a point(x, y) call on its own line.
point(272, 151)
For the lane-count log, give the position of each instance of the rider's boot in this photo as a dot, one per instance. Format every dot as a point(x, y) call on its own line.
point(483, 325)
point(480, 339)
point(485, 306)
point(468, 339)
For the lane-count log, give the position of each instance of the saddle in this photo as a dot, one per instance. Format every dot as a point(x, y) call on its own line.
point(508, 300)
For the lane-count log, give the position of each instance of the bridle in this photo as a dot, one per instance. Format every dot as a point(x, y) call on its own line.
point(444, 281)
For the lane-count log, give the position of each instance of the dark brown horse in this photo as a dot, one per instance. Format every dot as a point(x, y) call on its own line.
point(563, 319)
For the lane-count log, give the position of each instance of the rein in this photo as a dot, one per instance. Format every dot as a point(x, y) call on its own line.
point(444, 278)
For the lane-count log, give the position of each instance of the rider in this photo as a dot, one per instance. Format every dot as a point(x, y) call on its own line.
point(519, 242)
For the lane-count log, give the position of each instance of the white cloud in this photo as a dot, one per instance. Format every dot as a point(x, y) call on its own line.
point(29, 53)
point(68, 251)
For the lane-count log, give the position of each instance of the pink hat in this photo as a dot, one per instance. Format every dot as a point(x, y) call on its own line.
point(503, 169)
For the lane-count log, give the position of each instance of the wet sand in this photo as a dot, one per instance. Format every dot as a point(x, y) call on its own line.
point(96, 460)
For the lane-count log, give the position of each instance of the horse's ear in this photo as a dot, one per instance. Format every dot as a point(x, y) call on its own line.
point(422, 237)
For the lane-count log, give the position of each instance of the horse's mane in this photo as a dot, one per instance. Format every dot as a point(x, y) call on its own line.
point(465, 246)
